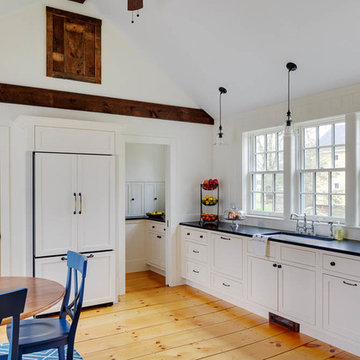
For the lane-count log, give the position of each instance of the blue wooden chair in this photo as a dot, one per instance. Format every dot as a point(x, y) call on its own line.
point(44, 334)
point(12, 304)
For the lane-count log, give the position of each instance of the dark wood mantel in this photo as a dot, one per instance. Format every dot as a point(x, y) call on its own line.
point(24, 95)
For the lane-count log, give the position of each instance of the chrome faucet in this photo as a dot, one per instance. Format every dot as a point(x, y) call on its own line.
point(304, 228)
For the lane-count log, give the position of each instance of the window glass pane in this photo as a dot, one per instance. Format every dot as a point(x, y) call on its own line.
point(257, 182)
point(338, 182)
point(271, 142)
point(260, 143)
point(268, 182)
point(271, 162)
point(340, 134)
point(325, 135)
point(257, 198)
point(269, 202)
point(322, 182)
point(340, 156)
point(338, 206)
point(281, 161)
point(260, 162)
point(279, 183)
point(325, 158)
point(281, 141)
point(308, 182)
point(307, 204)
point(322, 205)
point(279, 203)
point(310, 137)
point(310, 159)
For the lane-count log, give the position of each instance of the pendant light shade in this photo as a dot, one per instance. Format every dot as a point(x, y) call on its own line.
point(289, 126)
point(220, 134)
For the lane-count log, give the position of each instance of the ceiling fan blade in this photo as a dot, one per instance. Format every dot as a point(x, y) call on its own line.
point(134, 5)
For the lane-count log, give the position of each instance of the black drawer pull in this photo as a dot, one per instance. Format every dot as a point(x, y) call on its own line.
point(274, 265)
point(279, 266)
point(63, 258)
point(333, 263)
point(350, 284)
point(196, 271)
point(159, 237)
point(226, 285)
point(196, 252)
point(155, 198)
point(188, 234)
point(153, 227)
point(201, 236)
point(224, 238)
point(132, 199)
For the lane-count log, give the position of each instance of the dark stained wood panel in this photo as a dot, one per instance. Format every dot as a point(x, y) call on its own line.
point(24, 95)
point(79, 1)
point(73, 46)
point(134, 5)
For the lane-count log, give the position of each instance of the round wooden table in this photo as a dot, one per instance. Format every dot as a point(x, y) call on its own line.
point(42, 293)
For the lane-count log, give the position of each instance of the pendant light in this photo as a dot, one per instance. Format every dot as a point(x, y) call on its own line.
point(220, 134)
point(289, 126)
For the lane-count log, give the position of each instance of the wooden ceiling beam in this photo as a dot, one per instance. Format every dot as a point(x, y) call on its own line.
point(24, 95)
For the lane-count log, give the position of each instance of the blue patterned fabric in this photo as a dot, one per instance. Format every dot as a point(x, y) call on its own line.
point(43, 355)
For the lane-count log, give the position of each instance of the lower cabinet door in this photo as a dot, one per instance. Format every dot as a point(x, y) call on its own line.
point(341, 310)
point(226, 286)
point(197, 273)
point(156, 250)
point(52, 268)
point(297, 293)
point(263, 282)
point(100, 279)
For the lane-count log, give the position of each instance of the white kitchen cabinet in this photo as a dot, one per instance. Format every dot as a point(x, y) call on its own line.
point(297, 292)
point(56, 202)
point(341, 310)
point(154, 197)
point(74, 203)
point(96, 189)
point(227, 255)
point(155, 244)
point(135, 199)
point(99, 281)
point(263, 282)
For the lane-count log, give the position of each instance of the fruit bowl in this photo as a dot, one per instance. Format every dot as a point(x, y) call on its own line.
point(209, 200)
point(209, 217)
point(210, 184)
point(155, 214)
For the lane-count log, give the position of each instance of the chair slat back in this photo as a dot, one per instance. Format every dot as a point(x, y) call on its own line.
point(12, 304)
point(77, 267)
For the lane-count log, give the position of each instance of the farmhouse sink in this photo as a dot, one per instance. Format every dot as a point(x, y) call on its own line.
point(295, 237)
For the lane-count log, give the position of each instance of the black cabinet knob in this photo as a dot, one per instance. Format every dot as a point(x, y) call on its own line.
point(201, 236)
point(332, 263)
point(274, 265)
point(279, 266)
point(132, 199)
point(155, 198)
point(188, 234)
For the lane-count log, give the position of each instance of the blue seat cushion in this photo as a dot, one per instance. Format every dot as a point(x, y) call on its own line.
point(42, 331)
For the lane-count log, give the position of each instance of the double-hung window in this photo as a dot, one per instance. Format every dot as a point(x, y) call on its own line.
point(267, 173)
point(322, 170)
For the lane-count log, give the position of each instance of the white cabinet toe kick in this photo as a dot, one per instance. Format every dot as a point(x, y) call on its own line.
point(317, 289)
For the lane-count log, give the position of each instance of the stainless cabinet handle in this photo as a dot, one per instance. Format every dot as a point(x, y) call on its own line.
point(90, 256)
point(196, 271)
point(350, 284)
point(75, 204)
point(80, 196)
point(224, 238)
point(196, 252)
point(63, 258)
point(226, 285)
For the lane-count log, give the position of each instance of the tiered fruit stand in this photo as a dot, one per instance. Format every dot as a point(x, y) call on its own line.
point(209, 202)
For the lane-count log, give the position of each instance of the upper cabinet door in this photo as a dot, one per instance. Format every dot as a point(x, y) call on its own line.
point(55, 204)
point(149, 197)
point(96, 194)
point(160, 197)
point(136, 199)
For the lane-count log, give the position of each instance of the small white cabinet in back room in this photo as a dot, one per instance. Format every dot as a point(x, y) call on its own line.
point(134, 199)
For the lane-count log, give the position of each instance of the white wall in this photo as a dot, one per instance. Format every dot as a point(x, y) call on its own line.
point(126, 74)
point(145, 162)
point(228, 160)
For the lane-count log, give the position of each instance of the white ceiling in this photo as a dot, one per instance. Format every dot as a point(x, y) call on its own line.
point(243, 45)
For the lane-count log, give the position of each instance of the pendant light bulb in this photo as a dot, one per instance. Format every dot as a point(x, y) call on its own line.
point(220, 134)
point(289, 126)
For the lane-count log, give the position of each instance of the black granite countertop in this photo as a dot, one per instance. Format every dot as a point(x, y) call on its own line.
point(162, 219)
point(350, 247)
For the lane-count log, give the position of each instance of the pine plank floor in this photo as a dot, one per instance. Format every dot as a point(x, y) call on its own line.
point(156, 322)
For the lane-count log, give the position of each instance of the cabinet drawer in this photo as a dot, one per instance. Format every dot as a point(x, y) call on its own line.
point(297, 255)
point(197, 273)
point(196, 252)
point(270, 252)
point(341, 265)
point(227, 286)
point(196, 235)
point(158, 227)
